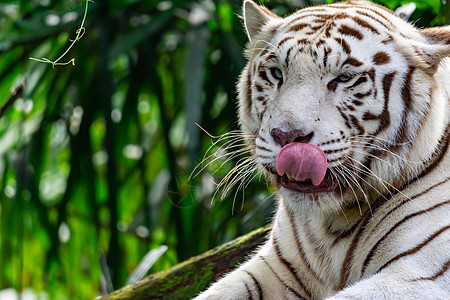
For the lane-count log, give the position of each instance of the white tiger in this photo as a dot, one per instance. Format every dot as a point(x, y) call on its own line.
point(349, 109)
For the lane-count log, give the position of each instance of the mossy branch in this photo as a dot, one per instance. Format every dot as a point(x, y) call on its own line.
point(188, 278)
point(79, 34)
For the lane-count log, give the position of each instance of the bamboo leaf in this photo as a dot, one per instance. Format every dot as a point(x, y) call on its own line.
point(106, 282)
point(146, 263)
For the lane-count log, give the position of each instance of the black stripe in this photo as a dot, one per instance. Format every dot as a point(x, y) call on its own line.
point(278, 277)
point(262, 139)
point(406, 200)
point(346, 30)
point(258, 286)
point(389, 27)
point(263, 75)
point(439, 153)
point(444, 269)
point(284, 41)
point(344, 45)
point(258, 87)
point(335, 150)
point(325, 57)
point(345, 269)
point(352, 61)
point(364, 24)
point(350, 107)
point(271, 55)
point(384, 117)
point(265, 156)
point(381, 15)
point(263, 148)
point(313, 240)
point(333, 141)
point(360, 95)
point(249, 91)
point(360, 226)
point(261, 98)
point(300, 248)
point(286, 60)
point(298, 27)
point(404, 220)
point(402, 132)
point(415, 249)
point(339, 159)
point(354, 121)
point(360, 80)
point(249, 293)
point(289, 266)
point(347, 120)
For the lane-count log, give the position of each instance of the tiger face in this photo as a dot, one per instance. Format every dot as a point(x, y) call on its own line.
point(335, 101)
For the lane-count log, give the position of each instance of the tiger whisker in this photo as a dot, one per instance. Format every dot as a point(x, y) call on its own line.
point(229, 156)
point(351, 187)
point(237, 177)
point(396, 170)
point(383, 182)
point(372, 138)
point(242, 166)
point(385, 149)
point(252, 51)
point(245, 181)
point(334, 176)
point(407, 163)
point(235, 138)
point(241, 163)
point(353, 176)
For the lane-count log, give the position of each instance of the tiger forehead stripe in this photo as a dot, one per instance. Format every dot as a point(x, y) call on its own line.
point(352, 61)
point(365, 24)
point(284, 41)
point(368, 15)
point(364, 11)
point(286, 60)
point(343, 44)
point(302, 17)
point(381, 58)
point(346, 30)
point(391, 25)
point(297, 27)
point(271, 55)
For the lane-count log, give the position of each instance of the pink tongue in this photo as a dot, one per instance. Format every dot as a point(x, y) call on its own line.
point(302, 162)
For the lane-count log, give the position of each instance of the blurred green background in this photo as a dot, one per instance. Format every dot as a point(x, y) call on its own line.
point(96, 158)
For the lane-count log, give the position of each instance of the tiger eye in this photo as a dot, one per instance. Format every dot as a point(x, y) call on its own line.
point(343, 78)
point(277, 73)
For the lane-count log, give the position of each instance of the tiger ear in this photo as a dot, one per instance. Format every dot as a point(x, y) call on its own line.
point(436, 45)
point(255, 17)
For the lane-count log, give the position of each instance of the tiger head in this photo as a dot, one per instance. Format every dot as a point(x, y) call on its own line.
point(344, 101)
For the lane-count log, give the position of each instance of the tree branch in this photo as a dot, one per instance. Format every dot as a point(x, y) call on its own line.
point(188, 278)
point(12, 98)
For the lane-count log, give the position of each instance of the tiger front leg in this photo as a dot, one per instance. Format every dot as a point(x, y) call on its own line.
point(255, 279)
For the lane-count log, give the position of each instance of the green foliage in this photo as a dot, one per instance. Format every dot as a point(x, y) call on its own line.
point(96, 158)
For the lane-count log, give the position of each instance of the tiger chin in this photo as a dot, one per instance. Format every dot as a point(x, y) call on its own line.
point(348, 109)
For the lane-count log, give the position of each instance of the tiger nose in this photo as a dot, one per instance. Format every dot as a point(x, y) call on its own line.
point(283, 138)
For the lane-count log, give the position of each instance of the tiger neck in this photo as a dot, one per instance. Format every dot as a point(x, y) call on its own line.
point(340, 222)
point(316, 235)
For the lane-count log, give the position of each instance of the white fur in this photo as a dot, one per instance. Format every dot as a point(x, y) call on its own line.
point(396, 240)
